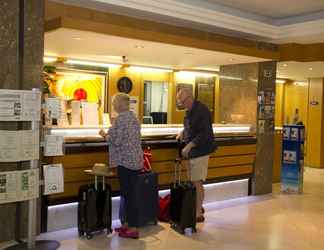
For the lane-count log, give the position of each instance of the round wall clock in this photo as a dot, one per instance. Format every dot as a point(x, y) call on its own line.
point(125, 85)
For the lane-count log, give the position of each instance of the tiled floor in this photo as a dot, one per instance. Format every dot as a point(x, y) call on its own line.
point(277, 222)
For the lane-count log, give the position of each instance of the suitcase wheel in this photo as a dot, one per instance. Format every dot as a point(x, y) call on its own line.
point(89, 236)
point(194, 230)
point(81, 233)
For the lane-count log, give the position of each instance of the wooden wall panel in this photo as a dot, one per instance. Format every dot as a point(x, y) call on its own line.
point(229, 171)
point(314, 126)
point(85, 160)
point(235, 150)
point(231, 160)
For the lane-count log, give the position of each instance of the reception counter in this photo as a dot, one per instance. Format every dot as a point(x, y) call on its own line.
point(83, 148)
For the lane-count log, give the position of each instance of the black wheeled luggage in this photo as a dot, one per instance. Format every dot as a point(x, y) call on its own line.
point(182, 203)
point(148, 197)
point(94, 209)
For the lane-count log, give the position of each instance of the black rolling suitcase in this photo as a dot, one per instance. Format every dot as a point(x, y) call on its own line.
point(148, 197)
point(94, 209)
point(182, 203)
point(146, 192)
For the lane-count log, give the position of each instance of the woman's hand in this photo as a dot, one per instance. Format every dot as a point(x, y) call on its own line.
point(102, 133)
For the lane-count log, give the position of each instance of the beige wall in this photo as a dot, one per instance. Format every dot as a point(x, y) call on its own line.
point(174, 116)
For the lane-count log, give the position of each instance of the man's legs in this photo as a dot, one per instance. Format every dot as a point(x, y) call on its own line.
point(198, 169)
point(200, 197)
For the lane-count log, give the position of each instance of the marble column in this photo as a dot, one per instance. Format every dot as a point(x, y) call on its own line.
point(239, 88)
point(21, 50)
point(262, 183)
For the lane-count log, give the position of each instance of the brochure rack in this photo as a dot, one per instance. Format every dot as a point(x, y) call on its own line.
point(292, 170)
point(18, 108)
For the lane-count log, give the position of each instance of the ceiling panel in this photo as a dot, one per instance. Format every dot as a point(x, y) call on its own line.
point(300, 71)
point(105, 48)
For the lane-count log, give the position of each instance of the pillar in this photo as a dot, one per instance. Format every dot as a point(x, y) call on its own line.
point(21, 50)
point(239, 87)
point(315, 124)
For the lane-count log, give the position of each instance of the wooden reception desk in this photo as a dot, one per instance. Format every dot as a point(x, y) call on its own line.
point(233, 159)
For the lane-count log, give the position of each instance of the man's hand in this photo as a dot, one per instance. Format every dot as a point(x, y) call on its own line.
point(102, 133)
point(186, 150)
point(179, 137)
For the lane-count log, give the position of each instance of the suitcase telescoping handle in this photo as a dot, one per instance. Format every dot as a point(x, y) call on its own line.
point(103, 182)
point(178, 164)
point(177, 170)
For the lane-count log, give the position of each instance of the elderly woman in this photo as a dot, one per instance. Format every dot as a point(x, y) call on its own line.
point(125, 152)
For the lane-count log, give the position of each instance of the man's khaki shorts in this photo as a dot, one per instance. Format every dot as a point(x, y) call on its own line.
point(198, 168)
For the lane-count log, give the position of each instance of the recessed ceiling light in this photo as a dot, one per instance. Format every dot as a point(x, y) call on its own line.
point(139, 46)
point(189, 53)
point(231, 60)
point(310, 68)
point(285, 65)
point(77, 38)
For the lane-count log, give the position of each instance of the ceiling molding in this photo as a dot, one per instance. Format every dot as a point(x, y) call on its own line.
point(301, 30)
point(274, 31)
point(128, 27)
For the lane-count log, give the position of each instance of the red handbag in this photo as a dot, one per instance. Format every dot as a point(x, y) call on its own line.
point(164, 208)
point(147, 167)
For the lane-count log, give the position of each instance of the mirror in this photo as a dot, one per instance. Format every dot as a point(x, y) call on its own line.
point(155, 102)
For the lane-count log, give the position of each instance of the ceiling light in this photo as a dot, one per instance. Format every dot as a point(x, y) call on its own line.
point(280, 81)
point(88, 63)
point(196, 73)
point(76, 38)
point(139, 46)
point(149, 69)
point(231, 60)
point(300, 83)
point(113, 57)
point(189, 53)
point(285, 65)
point(47, 59)
point(311, 69)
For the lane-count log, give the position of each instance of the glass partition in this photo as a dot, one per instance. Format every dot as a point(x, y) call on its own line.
point(155, 102)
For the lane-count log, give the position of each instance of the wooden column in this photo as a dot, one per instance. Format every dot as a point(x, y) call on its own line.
point(315, 124)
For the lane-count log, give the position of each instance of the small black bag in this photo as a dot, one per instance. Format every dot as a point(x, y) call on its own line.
point(94, 209)
point(183, 202)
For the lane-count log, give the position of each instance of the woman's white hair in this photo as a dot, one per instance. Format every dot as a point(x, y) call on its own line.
point(121, 101)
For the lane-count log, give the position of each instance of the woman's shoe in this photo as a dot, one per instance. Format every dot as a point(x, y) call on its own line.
point(202, 210)
point(129, 234)
point(120, 229)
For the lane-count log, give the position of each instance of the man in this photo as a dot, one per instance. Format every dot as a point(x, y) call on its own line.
point(198, 137)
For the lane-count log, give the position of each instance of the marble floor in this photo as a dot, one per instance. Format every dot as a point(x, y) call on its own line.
point(276, 222)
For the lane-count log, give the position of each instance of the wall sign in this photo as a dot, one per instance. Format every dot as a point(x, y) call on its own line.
point(314, 103)
point(19, 185)
point(19, 105)
point(134, 103)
